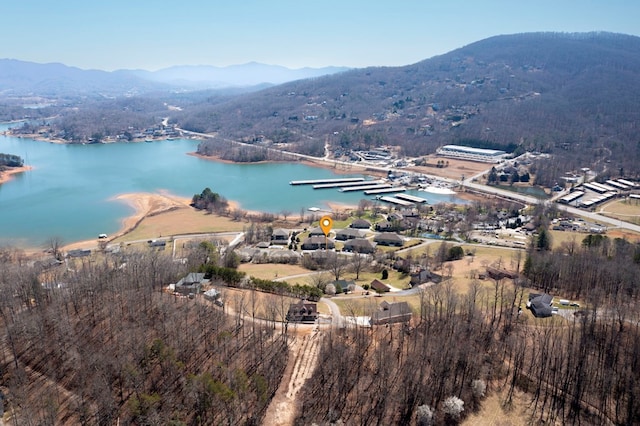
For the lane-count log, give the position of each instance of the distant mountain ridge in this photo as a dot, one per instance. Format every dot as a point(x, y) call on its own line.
point(575, 95)
point(249, 74)
point(22, 77)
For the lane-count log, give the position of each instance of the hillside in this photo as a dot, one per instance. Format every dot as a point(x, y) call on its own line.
point(567, 94)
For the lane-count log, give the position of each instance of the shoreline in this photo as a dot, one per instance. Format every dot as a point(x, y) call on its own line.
point(7, 175)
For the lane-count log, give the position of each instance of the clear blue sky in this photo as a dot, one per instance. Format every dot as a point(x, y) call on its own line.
point(130, 34)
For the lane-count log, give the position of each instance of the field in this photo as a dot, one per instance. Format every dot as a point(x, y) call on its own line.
point(627, 210)
point(455, 170)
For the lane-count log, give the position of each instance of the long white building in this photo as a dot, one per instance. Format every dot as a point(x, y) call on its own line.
point(473, 154)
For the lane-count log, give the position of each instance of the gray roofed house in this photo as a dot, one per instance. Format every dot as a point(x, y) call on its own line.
point(348, 234)
point(391, 313)
point(389, 239)
point(424, 276)
point(344, 285)
point(315, 232)
point(317, 242)
point(360, 224)
point(280, 236)
point(192, 283)
point(359, 245)
point(540, 304)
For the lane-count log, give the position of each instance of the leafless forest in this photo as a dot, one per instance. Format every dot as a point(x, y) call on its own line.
point(579, 370)
point(110, 348)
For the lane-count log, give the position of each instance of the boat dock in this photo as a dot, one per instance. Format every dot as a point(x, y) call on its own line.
point(412, 198)
point(321, 181)
point(346, 184)
point(394, 200)
point(385, 190)
point(365, 187)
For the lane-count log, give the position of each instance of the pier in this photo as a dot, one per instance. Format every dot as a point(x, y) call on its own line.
point(347, 184)
point(321, 181)
point(385, 190)
point(412, 198)
point(394, 200)
point(365, 187)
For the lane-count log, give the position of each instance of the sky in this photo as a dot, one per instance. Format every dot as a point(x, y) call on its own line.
point(150, 35)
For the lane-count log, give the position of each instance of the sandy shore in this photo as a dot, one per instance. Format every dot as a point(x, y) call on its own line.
point(144, 204)
point(7, 175)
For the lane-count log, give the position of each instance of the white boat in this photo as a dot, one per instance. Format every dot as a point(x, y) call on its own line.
point(438, 190)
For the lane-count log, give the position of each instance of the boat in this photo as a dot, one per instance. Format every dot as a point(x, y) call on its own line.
point(438, 190)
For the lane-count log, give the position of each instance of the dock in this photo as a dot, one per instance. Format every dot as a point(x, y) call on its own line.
point(385, 190)
point(365, 187)
point(346, 184)
point(321, 181)
point(412, 198)
point(394, 200)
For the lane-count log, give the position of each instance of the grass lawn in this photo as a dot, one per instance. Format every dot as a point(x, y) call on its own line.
point(364, 306)
point(271, 271)
point(627, 210)
point(178, 222)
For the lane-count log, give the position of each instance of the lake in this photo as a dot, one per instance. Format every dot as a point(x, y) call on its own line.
point(70, 191)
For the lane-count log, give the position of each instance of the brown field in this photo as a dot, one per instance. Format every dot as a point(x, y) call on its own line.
point(493, 411)
point(271, 271)
point(455, 170)
point(627, 210)
point(261, 303)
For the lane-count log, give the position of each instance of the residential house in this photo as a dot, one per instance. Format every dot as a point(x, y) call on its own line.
point(359, 245)
point(409, 212)
point(192, 283)
point(280, 236)
point(424, 276)
point(498, 274)
point(317, 243)
point(158, 244)
point(360, 224)
point(388, 226)
point(389, 239)
point(348, 234)
point(379, 286)
point(302, 312)
point(79, 253)
point(212, 294)
point(343, 285)
point(395, 216)
point(316, 232)
point(540, 304)
point(390, 313)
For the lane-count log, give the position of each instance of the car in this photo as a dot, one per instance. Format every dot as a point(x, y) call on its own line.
point(575, 304)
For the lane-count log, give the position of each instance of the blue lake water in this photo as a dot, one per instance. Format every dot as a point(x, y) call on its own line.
point(70, 191)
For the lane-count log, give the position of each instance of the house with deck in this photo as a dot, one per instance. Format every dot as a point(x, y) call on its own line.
point(302, 311)
point(392, 313)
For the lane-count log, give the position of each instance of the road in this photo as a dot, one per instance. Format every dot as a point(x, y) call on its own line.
point(527, 199)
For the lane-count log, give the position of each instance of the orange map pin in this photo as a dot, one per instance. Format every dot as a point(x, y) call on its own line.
point(325, 225)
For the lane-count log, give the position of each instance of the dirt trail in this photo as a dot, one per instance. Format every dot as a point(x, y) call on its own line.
point(303, 358)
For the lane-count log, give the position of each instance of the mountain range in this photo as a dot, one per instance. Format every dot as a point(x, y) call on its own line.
point(575, 95)
point(55, 79)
